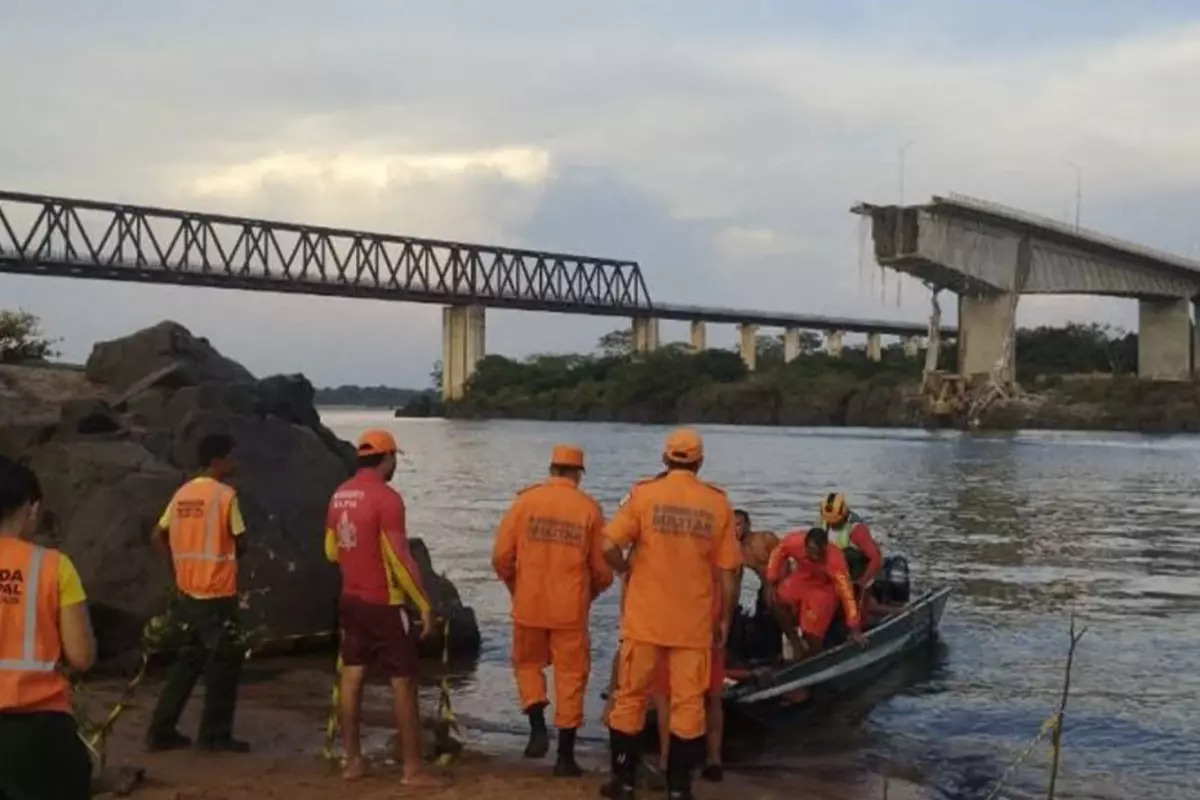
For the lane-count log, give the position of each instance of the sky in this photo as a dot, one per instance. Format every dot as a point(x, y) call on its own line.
point(719, 144)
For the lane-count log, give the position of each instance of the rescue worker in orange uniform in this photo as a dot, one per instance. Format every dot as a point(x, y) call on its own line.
point(850, 534)
point(43, 621)
point(714, 706)
point(808, 597)
point(681, 530)
point(548, 553)
point(366, 536)
point(203, 531)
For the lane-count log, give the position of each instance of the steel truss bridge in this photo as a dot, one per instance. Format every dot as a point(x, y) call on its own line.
point(64, 237)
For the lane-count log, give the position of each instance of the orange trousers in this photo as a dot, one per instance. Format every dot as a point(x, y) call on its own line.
point(688, 672)
point(569, 652)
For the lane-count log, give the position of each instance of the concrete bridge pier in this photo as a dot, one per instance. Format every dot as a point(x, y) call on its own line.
point(791, 345)
point(748, 344)
point(645, 335)
point(1165, 339)
point(874, 347)
point(833, 343)
point(463, 345)
point(985, 325)
point(912, 346)
point(699, 336)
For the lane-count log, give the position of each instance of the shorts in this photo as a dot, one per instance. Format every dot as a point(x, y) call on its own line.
point(379, 636)
point(814, 604)
point(716, 675)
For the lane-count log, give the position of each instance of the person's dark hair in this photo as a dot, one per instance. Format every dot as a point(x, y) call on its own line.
point(692, 467)
point(212, 447)
point(371, 461)
point(18, 487)
point(560, 471)
point(817, 536)
point(741, 512)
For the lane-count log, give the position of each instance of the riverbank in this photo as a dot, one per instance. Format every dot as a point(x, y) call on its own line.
point(282, 710)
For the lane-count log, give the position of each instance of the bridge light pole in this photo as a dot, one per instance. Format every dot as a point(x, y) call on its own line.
point(1078, 190)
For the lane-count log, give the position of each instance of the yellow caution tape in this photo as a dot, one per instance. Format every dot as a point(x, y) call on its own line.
point(331, 723)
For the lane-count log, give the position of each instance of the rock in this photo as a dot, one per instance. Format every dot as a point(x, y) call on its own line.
point(123, 442)
point(122, 363)
point(87, 416)
point(448, 605)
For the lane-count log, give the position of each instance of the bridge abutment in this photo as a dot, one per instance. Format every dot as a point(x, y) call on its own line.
point(699, 336)
point(791, 345)
point(748, 344)
point(463, 345)
point(986, 325)
point(1164, 339)
point(645, 335)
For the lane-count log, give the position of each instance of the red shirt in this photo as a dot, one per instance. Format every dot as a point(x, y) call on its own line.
point(366, 522)
point(831, 571)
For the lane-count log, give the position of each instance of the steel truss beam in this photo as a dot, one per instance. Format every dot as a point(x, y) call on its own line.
point(86, 239)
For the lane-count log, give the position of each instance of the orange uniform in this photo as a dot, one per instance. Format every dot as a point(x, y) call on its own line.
point(202, 519)
point(35, 583)
point(716, 672)
point(681, 529)
point(813, 589)
point(548, 553)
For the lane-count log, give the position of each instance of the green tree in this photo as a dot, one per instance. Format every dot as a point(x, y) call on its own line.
point(21, 338)
point(616, 343)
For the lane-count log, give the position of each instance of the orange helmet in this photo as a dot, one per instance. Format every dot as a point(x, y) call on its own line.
point(833, 508)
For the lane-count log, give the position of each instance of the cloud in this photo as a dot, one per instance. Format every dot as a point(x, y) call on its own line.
point(721, 151)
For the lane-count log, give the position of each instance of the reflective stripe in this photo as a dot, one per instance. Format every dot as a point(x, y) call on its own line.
point(27, 663)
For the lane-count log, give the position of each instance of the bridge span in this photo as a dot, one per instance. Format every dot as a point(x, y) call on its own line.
point(88, 239)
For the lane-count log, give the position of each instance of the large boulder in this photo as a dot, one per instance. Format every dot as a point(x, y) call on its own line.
point(111, 451)
point(167, 348)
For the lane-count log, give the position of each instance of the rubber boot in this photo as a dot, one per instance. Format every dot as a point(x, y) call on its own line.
point(539, 737)
point(625, 755)
point(565, 766)
point(685, 755)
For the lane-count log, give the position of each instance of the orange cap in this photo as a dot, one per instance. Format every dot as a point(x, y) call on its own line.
point(377, 442)
point(566, 455)
point(684, 446)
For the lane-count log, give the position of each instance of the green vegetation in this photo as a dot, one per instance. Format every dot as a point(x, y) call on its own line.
point(673, 384)
point(21, 338)
point(365, 396)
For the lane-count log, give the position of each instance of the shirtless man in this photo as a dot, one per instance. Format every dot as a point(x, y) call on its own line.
point(756, 551)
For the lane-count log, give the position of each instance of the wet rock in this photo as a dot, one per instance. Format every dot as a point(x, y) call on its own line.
point(121, 445)
point(448, 605)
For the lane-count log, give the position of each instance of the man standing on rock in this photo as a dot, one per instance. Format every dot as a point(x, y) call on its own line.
point(548, 553)
point(203, 531)
point(365, 535)
point(43, 620)
point(681, 530)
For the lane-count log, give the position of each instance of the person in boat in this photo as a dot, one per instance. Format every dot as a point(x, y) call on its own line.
point(682, 530)
point(807, 599)
point(850, 534)
point(547, 553)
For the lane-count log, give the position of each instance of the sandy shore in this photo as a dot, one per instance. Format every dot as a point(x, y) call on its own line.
point(282, 714)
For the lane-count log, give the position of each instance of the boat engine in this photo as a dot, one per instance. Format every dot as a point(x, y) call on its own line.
point(891, 586)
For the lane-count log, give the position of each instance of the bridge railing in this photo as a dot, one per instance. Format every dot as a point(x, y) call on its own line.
point(83, 238)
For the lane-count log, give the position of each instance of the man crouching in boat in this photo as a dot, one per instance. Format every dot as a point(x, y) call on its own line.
point(808, 597)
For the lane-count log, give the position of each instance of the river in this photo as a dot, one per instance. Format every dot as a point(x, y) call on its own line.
point(1026, 527)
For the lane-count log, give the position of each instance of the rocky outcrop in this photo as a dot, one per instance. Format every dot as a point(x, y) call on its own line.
point(112, 443)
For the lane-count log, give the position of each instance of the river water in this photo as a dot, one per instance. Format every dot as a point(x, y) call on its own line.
point(1026, 527)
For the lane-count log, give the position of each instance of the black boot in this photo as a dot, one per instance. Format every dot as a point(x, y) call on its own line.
point(566, 767)
point(626, 754)
point(539, 737)
point(685, 755)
